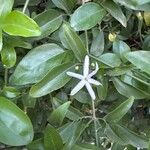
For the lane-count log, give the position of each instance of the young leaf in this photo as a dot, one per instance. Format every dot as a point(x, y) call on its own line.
point(8, 56)
point(127, 90)
point(36, 145)
point(74, 42)
point(18, 24)
point(10, 92)
point(37, 63)
point(141, 59)
point(58, 115)
point(15, 127)
point(120, 111)
point(115, 11)
point(52, 139)
point(81, 20)
point(48, 21)
point(5, 8)
point(54, 80)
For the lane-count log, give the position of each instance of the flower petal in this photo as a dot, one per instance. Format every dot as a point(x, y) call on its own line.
point(78, 87)
point(75, 75)
point(95, 82)
point(86, 66)
point(90, 90)
point(94, 72)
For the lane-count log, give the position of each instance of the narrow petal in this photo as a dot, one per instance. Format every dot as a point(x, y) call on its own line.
point(75, 75)
point(93, 72)
point(95, 82)
point(78, 87)
point(90, 90)
point(86, 66)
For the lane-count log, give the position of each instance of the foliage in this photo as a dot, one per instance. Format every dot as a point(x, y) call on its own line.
point(41, 40)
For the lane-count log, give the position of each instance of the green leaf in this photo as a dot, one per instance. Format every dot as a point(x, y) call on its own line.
point(81, 20)
point(5, 8)
point(58, 115)
point(97, 46)
point(36, 145)
point(120, 48)
point(120, 111)
point(48, 21)
point(18, 24)
point(52, 139)
point(1, 40)
point(54, 80)
point(66, 5)
point(127, 90)
point(147, 18)
point(15, 127)
point(71, 132)
point(8, 56)
point(73, 41)
point(125, 136)
point(141, 59)
point(10, 92)
point(115, 11)
point(110, 59)
point(37, 63)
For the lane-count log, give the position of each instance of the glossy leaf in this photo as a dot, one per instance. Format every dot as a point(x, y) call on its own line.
point(15, 127)
point(48, 21)
point(115, 11)
point(110, 59)
point(81, 20)
point(54, 80)
point(58, 115)
point(127, 90)
point(52, 139)
point(140, 59)
point(18, 24)
point(66, 5)
point(73, 42)
point(37, 63)
point(5, 8)
point(120, 111)
point(125, 136)
point(8, 56)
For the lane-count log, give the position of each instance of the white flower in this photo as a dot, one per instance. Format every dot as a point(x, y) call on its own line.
point(86, 79)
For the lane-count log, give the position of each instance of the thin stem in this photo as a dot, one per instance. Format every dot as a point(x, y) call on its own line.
point(87, 41)
point(95, 122)
point(25, 6)
point(6, 76)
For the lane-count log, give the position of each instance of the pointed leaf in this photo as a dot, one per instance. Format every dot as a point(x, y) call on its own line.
point(54, 80)
point(58, 115)
point(120, 111)
point(115, 11)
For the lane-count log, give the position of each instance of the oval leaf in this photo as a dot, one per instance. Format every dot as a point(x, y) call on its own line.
point(81, 20)
point(15, 127)
point(37, 63)
point(18, 24)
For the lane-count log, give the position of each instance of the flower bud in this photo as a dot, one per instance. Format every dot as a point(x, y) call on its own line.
point(112, 37)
